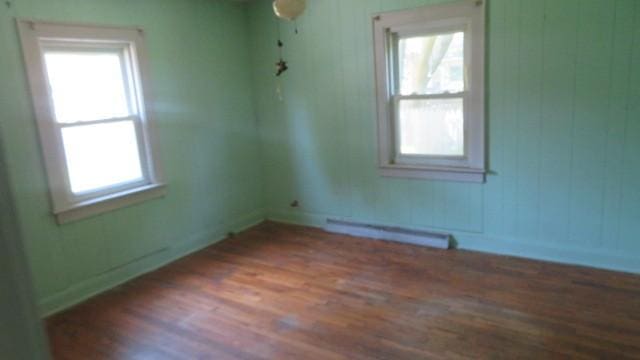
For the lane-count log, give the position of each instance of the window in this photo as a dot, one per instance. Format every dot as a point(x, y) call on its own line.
point(88, 91)
point(430, 91)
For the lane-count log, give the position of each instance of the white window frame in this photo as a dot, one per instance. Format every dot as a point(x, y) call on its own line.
point(467, 16)
point(36, 36)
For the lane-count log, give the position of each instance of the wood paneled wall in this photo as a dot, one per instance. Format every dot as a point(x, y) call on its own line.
point(564, 129)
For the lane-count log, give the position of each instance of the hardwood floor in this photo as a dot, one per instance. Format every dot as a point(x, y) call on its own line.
point(288, 292)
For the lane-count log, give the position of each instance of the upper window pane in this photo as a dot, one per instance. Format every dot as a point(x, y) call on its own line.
point(431, 64)
point(87, 85)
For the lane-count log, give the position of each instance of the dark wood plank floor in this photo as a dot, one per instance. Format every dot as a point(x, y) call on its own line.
point(286, 292)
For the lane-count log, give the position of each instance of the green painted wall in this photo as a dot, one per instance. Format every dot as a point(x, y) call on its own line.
point(21, 331)
point(563, 117)
point(201, 86)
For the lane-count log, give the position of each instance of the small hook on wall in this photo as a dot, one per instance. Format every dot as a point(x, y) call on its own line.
point(8, 3)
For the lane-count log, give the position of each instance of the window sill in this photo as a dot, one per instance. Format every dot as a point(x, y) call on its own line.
point(111, 202)
point(434, 173)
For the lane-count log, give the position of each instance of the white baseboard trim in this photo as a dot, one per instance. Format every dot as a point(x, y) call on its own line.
point(89, 288)
point(594, 258)
point(600, 259)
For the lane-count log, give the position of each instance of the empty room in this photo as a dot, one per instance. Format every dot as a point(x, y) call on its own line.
point(319, 179)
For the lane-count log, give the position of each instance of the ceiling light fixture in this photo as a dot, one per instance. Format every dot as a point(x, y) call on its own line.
point(289, 9)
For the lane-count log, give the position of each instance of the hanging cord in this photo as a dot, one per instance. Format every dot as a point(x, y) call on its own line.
point(279, 37)
point(281, 65)
point(279, 89)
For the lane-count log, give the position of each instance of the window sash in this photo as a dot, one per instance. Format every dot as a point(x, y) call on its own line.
point(145, 166)
point(127, 67)
point(443, 26)
point(425, 159)
point(97, 121)
point(444, 95)
point(395, 34)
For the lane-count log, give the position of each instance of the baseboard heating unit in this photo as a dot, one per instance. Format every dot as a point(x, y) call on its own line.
point(410, 236)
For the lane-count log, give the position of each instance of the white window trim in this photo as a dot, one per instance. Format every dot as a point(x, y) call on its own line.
point(469, 14)
point(66, 207)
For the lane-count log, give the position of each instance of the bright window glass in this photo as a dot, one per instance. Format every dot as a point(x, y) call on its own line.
point(432, 127)
point(101, 155)
point(87, 85)
point(431, 64)
point(90, 91)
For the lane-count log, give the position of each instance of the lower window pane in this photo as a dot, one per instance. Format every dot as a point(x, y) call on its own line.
point(432, 127)
point(101, 155)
